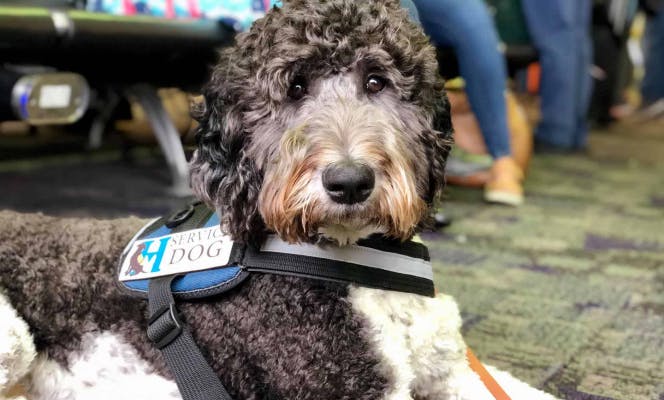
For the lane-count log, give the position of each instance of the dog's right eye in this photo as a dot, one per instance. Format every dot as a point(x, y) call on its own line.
point(297, 89)
point(375, 84)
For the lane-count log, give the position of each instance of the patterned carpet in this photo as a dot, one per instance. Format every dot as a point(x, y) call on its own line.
point(567, 292)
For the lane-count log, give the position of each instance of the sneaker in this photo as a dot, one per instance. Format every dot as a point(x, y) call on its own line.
point(441, 220)
point(651, 112)
point(504, 185)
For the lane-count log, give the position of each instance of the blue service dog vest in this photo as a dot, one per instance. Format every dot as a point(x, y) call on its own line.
point(186, 256)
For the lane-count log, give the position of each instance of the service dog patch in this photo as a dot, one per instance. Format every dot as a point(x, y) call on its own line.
point(177, 253)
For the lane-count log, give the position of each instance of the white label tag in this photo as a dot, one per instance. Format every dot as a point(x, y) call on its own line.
point(177, 253)
point(54, 96)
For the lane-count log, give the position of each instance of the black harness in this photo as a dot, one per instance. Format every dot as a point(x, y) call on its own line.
point(185, 256)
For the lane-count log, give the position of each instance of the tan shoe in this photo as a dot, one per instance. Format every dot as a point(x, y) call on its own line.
point(504, 185)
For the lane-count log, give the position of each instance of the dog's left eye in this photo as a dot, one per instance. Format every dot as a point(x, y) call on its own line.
point(375, 84)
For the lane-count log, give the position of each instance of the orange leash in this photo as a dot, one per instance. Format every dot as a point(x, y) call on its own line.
point(486, 377)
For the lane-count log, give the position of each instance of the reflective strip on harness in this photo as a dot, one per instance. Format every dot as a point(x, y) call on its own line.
point(353, 264)
point(355, 254)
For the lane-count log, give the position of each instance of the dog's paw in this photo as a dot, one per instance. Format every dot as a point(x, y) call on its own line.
point(17, 349)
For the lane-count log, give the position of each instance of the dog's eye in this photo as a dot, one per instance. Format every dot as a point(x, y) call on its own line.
point(297, 89)
point(375, 84)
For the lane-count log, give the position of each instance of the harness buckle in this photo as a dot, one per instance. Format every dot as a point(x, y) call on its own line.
point(162, 331)
point(180, 216)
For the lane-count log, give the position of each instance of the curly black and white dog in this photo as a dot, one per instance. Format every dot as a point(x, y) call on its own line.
point(326, 122)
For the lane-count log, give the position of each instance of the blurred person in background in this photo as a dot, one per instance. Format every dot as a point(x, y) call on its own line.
point(652, 88)
point(613, 70)
point(467, 27)
point(560, 30)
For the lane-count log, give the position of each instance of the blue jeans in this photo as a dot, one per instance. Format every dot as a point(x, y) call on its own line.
point(652, 88)
point(560, 30)
point(466, 26)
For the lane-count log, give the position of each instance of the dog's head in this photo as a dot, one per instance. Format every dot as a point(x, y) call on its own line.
point(327, 120)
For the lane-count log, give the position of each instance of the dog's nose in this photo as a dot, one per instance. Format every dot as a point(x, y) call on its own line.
point(348, 183)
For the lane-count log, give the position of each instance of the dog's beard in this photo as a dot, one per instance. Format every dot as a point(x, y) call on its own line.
point(345, 234)
point(305, 216)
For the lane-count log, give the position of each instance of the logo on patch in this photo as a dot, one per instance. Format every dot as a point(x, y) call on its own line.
point(136, 261)
point(147, 257)
point(177, 253)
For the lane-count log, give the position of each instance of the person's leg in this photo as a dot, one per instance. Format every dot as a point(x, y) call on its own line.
point(551, 26)
point(653, 82)
point(584, 79)
point(466, 26)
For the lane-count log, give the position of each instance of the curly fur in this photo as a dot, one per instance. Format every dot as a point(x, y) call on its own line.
point(17, 350)
point(258, 162)
point(246, 101)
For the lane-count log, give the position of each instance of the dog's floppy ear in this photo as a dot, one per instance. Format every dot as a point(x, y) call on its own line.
point(222, 175)
point(439, 141)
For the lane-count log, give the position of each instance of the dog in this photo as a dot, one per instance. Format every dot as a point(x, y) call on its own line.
point(325, 123)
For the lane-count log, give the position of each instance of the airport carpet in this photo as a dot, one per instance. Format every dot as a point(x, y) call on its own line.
point(566, 292)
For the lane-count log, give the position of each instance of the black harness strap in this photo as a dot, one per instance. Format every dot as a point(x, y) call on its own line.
point(333, 270)
point(167, 330)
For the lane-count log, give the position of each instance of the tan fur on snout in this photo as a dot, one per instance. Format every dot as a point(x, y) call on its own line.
point(282, 204)
point(293, 201)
